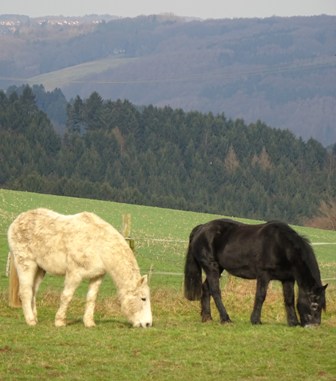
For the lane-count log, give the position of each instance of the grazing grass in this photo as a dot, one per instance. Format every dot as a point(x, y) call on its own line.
point(178, 346)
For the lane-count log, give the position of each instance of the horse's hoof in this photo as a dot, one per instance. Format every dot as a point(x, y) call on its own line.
point(60, 323)
point(32, 323)
point(206, 319)
point(228, 321)
point(293, 324)
point(256, 322)
point(89, 324)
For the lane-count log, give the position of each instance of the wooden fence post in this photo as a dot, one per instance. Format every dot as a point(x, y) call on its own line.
point(126, 230)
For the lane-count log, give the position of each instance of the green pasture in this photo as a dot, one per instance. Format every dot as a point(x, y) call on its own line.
point(78, 73)
point(178, 346)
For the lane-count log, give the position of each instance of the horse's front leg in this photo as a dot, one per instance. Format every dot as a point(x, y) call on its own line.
point(261, 291)
point(71, 282)
point(91, 301)
point(288, 292)
point(205, 303)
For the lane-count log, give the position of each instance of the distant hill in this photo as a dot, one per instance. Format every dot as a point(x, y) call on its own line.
point(278, 70)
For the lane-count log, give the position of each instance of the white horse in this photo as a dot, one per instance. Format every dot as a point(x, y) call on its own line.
point(80, 246)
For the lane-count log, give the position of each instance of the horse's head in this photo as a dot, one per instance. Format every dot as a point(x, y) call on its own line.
point(136, 305)
point(310, 305)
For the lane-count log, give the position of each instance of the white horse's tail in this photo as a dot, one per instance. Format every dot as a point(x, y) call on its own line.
point(8, 264)
point(13, 294)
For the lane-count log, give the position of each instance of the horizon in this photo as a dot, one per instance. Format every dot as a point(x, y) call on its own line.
point(213, 9)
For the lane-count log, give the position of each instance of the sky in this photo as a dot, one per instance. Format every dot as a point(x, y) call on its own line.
point(191, 8)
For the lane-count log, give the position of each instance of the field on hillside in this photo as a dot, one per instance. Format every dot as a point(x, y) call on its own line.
point(178, 346)
point(78, 73)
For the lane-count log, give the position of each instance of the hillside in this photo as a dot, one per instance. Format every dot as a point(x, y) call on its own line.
point(278, 70)
point(163, 157)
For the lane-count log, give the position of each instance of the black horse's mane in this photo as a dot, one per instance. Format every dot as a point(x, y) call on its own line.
point(302, 244)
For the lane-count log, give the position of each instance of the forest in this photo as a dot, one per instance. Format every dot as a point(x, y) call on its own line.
point(165, 157)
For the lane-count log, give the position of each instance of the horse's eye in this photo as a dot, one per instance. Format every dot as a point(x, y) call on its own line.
point(143, 299)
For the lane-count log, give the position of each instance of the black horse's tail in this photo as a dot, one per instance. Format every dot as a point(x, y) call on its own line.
point(192, 273)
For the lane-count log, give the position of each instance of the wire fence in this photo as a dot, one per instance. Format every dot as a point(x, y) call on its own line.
point(171, 261)
point(165, 258)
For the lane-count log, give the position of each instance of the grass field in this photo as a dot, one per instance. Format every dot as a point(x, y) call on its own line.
point(178, 346)
point(78, 73)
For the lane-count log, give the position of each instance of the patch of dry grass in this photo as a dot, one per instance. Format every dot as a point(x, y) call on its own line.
point(167, 303)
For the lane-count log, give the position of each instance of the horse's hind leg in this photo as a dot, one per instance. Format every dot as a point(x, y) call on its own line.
point(26, 273)
point(37, 281)
point(71, 282)
point(262, 284)
point(205, 302)
point(212, 274)
point(91, 301)
point(288, 292)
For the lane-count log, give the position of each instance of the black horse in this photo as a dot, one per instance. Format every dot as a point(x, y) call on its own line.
point(265, 252)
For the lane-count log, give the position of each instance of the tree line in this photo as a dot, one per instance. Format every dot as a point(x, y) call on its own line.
point(114, 150)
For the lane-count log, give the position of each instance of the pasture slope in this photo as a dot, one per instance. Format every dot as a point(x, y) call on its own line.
point(178, 346)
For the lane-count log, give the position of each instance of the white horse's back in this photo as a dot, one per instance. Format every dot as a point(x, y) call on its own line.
point(57, 242)
point(78, 246)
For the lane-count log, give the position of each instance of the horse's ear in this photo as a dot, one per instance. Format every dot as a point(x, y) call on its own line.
point(321, 288)
point(143, 281)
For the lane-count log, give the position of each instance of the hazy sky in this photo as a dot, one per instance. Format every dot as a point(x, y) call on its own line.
point(194, 8)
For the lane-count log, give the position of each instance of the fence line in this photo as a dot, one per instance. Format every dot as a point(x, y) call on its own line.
point(186, 241)
point(169, 273)
point(323, 243)
point(153, 272)
point(165, 273)
point(160, 240)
